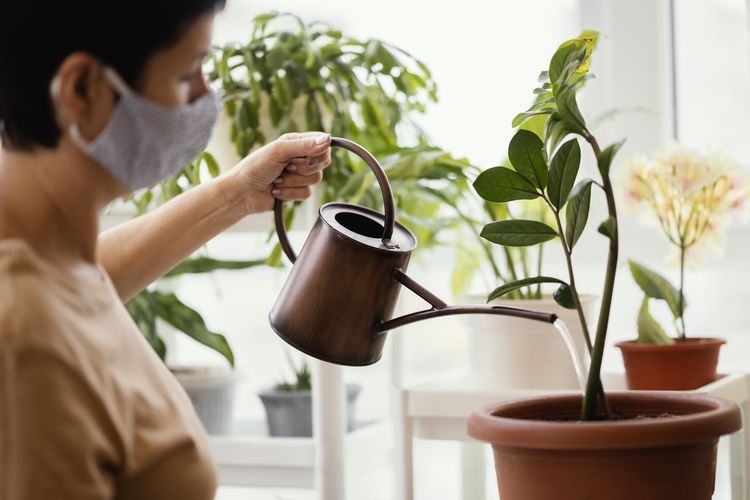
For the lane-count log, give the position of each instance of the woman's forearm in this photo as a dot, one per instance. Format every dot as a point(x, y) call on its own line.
point(141, 250)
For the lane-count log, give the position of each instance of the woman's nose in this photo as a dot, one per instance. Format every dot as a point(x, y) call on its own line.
point(199, 86)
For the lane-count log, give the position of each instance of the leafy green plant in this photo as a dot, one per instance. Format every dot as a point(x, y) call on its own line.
point(302, 377)
point(546, 168)
point(656, 287)
point(294, 76)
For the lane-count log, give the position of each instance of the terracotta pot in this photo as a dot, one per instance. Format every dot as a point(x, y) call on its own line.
point(542, 451)
point(682, 366)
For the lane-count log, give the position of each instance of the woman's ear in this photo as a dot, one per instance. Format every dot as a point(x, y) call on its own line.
point(81, 95)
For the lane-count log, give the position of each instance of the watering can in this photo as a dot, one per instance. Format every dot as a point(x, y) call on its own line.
point(337, 303)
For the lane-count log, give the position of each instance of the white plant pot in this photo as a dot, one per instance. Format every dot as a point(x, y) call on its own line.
point(211, 390)
point(511, 353)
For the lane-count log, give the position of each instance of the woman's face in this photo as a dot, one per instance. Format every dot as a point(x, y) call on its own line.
point(174, 76)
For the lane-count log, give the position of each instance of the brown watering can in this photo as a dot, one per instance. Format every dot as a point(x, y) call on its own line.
point(338, 300)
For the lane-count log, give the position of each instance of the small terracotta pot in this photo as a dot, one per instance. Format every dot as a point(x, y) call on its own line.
point(682, 366)
point(543, 452)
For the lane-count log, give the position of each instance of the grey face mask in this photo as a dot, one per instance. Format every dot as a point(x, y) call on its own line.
point(145, 142)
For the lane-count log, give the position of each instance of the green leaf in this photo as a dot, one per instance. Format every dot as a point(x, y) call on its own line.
point(560, 59)
point(140, 309)
point(207, 265)
point(169, 308)
point(517, 232)
point(567, 107)
point(520, 118)
point(211, 164)
point(500, 184)
point(577, 211)
point(563, 172)
point(649, 330)
point(564, 296)
point(515, 285)
point(526, 153)
point(608, 228)
point(605, 158)
point(656, 286)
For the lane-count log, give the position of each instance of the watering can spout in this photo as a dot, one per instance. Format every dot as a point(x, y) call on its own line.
point(440, 308)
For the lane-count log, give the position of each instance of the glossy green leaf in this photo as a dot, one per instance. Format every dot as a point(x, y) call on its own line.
point(577, 212)
point(656, 286)
point(564, 296)
point(517, 232)
point(526, 153)
point(211, 164)
point(522, 283)
point(500, 184)
point(567, 107)
point(563, 172)
point(649, 330)
point(608, 228)
point(606, 157)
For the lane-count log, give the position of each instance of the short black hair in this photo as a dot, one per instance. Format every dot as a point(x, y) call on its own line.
point(36, 36)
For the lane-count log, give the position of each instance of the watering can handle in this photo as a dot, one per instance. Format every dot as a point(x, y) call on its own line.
point(385, 189)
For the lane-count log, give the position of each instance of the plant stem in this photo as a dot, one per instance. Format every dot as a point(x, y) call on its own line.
point(571, 276)
point(594, 384)
point(538, 293)
point(683, 334)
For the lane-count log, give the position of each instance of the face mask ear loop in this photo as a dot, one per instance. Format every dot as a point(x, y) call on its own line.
point(73, 130)
point(116, 81)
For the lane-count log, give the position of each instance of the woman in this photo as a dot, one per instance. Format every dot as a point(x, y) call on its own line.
point(98, 99)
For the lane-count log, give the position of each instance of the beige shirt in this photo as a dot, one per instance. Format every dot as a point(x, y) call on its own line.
point(87, 409)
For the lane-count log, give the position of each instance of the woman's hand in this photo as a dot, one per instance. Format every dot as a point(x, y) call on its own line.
point(284, 169)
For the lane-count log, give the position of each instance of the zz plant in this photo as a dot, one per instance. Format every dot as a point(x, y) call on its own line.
point(546, 168)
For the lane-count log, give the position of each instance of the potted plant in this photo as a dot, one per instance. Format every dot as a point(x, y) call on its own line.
point(158, 309)
point(619, 445)
point(692, 197)
point(288, 405)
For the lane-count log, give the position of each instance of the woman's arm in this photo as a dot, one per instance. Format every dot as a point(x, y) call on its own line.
point(141, 250)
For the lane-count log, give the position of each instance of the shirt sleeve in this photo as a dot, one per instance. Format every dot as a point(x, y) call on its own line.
point(56, 439)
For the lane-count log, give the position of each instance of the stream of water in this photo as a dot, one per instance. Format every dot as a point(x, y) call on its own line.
point(581, 366)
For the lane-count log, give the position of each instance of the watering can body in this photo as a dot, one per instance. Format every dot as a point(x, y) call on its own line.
point(341, 287)
point(338, 301)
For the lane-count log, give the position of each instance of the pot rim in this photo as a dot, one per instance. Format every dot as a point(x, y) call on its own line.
point(690, 344)
point(352, 390)
point(700, 418)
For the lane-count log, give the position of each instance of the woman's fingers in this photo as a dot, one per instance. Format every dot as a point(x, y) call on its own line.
point(291, 193)
point(290, 146)
point(296, 180)
point(309, 165)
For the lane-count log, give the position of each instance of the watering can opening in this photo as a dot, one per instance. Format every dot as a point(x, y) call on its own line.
point(360, 224)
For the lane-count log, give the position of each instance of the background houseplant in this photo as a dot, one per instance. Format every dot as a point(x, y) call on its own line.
point(292, 75)
point(553, 437)
point(288, 405)
point(692, 197)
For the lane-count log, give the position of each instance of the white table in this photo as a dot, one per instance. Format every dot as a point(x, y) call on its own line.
point(440, 409)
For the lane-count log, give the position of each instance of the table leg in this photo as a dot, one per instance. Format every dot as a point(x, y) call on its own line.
point(329, 428)
point(402, 446)
point(472, 471)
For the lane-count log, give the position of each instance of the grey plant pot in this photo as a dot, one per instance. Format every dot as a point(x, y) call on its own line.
point(289, 414)
point(211, 390)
